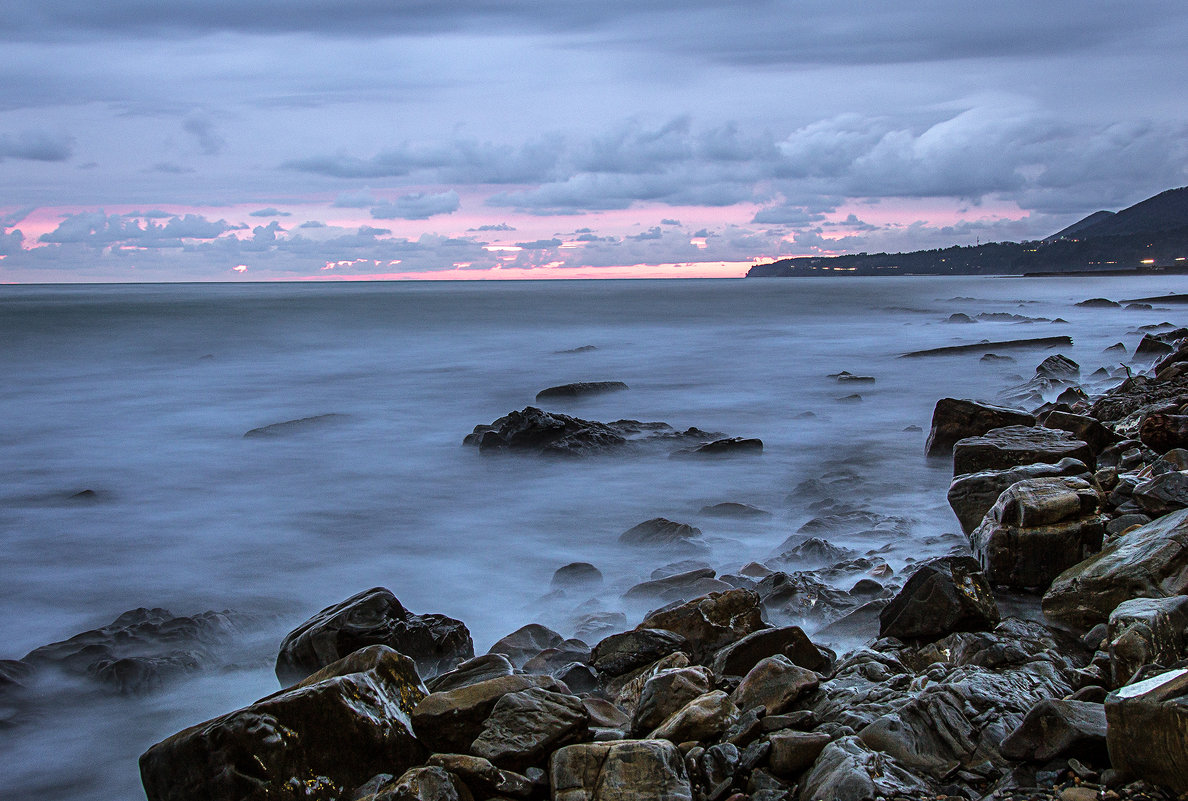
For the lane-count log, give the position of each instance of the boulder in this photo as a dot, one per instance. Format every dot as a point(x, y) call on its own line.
point(534, 431)
point(1004, 448)
point(429, 783)
point(735, 510)
point(482, 778)
point(472, 671)
point(580, 389)
point(1038, 528)
point(678, 587)
point(775, 684)
point(1059, 729)
point(665, 534)
point(944, 595)
point(626, 770)
point(972, 495)
point(1148, 562)
point(1162, 494)
point(739, 657)
point(702, 719)
point(1146, 631)
point(792, 752)
point(711, 622)
point(373, 617)
point(525, 727)
point(312, 742)
point(954, 419)
point(626, 651)
point(1088, 429)
point(665, 693)
point(847, 770)
point(1099, 303)
point(1147, 729)
point(526, 642)
point(448, 722)
point(1058, 367)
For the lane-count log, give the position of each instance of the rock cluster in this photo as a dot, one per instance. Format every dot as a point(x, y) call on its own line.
point(1083, 504)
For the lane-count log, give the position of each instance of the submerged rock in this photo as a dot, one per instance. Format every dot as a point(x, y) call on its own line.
point(290, 427)
point(375, 616)
point(312, 742)
point(738, 510)
point(660, 532)
point(729, 446)
point(581, 389)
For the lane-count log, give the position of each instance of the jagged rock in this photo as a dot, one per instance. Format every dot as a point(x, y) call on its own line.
point(525, 727)
point(775, 684)
point(703, 718)
point(626, 689)
point(847, 770)
point(662, 533)
point(972, 495)
point(1150, 348)
point(1146, 631)
point(141, 649)
point(577, 575)
point(801, 596)
point(429, 783)
point(372, 617)
point(1148, 562)
point(665, 693)
point(738, 658)
point(1059, 367)
point(1136, 397)
point(709, 623)
point(1004, 448)
point(526, 642)
point(627, 770)
point(581, 389)
point(545, 433)
point(738, 510)
point(341, 726)
point(628, 650)
point(728, 446)
point(1059, 729)
point(1038, 528)
point(1162, 494)
point(954, 419)
point(448, 722)
point(472, 671)
point(806, 552)
point(792, 752)
point(1147, 731)
point(944, 595)
point(481, 777)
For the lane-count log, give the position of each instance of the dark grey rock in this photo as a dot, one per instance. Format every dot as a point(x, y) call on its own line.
point(526, 642)
point(525, 727)
point(943, 596)
point(1059, 729)
point(577, 575)
point(621, 653)
point(580, 389)
point(1004, 448)
point(954, 419)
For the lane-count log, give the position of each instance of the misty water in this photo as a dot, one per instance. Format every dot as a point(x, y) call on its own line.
point(143, 395)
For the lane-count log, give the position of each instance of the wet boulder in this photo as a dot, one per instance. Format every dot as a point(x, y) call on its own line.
point(1147, 729)
point(372, 617)
point(1058, 367)
point(1004, 448)
point(666, 692)
point(448, 722)
point(526, 642)
point(619, 771)
point(525, 727)
point(1146, 631)
point(702, 719)
point(1147, 562)
point(944, 595)
point(1162, 494)
point(1088, 429)
point(660, 533)
point(678, 587)
point(330, 733)
point(847, 770)
point(472, 671)
point(578, 576)
point(727, 446)
point(1056, 728)
point(628, 650)
point(711, 622)
point(739, 657)
point(535, 431)
point(483, 779)
point(428, 783)
point(972, 495)
point(793, 751)
point(954, 419)
point(775, 683)
point(1038, 528)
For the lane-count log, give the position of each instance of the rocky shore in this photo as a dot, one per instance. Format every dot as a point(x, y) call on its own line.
point(1045, 656)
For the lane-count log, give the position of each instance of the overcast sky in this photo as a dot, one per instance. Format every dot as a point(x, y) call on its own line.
point(259, 139)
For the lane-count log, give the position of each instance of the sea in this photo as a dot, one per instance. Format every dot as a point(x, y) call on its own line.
point(142, 395)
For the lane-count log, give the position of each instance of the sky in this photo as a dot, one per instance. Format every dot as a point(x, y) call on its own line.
point(178, 140)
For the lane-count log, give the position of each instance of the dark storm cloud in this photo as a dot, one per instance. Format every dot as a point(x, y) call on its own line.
point(36, 146)
point(418, 206)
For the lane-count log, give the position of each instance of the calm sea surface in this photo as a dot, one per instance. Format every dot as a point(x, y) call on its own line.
point(142, 394)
